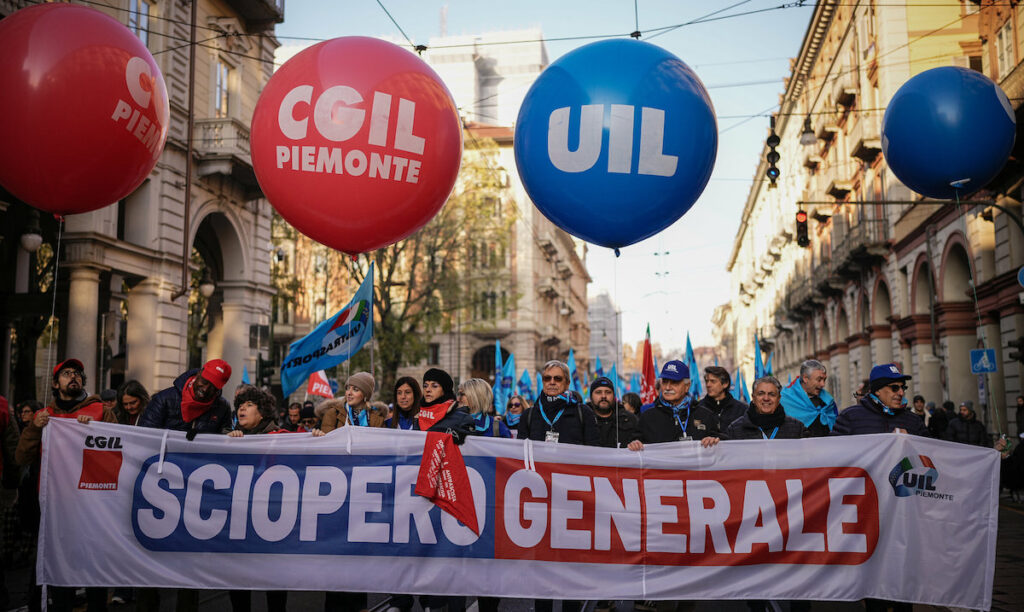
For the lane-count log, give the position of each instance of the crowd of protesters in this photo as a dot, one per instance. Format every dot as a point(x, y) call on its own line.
point(195, 404)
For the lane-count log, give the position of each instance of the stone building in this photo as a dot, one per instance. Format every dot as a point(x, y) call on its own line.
point(887, 277)
point(121, 307)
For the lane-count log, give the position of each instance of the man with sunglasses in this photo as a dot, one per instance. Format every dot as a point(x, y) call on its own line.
point(559, 414)
point(883, 409)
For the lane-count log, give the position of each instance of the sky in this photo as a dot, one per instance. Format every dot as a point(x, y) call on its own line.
point(673, 280)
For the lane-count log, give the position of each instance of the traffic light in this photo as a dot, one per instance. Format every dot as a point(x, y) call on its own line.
point(264, 371)
point(801, 229)
point(1018, 344)
point(772, 157)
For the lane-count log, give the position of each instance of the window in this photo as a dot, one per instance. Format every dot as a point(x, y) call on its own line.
point(434, 353)
point(221, 89)
point(1004, 48)
point(138, 19)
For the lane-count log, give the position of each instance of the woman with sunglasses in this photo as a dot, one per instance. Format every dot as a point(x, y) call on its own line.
point(514, 409)
point(408, 398)
point(883, 409)
point(476, 395)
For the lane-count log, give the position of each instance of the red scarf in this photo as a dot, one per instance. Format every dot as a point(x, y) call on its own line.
point(191, 408)
point(430, 415)
point(443, 479)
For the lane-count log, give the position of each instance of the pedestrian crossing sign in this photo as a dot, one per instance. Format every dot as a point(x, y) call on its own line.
point(983, 361)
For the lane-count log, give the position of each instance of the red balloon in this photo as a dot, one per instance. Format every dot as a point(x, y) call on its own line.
point(356, 142)
point(83, 109)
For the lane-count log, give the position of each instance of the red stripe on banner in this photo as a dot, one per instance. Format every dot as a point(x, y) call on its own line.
point(589, 514)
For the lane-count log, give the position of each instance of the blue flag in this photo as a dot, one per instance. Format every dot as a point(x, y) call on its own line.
point(744, 394)
point(508, 377)
point(617, 382)
point(525, 385)
point(333, 341)
point(768, 364)
point(574, 379)
point(634, 383)
point(758, 364)
point(499, 367)
point(245, 375)
point(540, 386)
point(696, 384)
point(598, 370)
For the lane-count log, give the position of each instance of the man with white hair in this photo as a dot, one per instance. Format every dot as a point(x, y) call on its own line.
point(559, 414)
point(806, 400)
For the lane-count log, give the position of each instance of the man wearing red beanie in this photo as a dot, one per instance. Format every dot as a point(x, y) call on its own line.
point(193, 403)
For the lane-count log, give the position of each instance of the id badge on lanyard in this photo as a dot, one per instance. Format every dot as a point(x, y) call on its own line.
point(551, 436)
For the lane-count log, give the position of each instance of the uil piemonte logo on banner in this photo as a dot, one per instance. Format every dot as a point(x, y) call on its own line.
point(101, 463)
point(916, 478)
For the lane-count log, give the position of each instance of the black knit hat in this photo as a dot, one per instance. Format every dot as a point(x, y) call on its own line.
point(442, 378)
point(601, 381)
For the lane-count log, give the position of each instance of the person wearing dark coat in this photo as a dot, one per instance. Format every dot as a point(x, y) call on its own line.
point(718, 399)
point(881, 410)
point(939, 420)
point(559, 414)
point(440, 411)
point(674, 415)
point(616, 426)
point(193, 403)
point(765, 418)
point(965, 428)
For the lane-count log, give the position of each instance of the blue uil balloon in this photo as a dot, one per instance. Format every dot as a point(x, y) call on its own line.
point(947, 132)
point(615, 141)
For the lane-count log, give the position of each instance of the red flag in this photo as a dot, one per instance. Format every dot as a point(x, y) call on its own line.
point(443, 479)
point(318, 385)
point(647, 391)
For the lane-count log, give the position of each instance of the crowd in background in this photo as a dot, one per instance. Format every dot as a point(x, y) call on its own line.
point(195, 404)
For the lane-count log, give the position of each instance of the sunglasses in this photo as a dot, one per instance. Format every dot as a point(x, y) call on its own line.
point(896, 387)
point(308, 421)
point(515, 404)
point(553, 378)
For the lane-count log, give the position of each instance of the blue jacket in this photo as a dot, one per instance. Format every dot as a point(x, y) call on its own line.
point(164, 411)
point(867, 417)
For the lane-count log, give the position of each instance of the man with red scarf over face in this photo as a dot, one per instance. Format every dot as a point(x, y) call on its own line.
point(193, 403)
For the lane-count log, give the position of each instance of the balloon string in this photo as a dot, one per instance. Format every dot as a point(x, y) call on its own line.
point(617, 253)
point(974, 290)
point(53, 304)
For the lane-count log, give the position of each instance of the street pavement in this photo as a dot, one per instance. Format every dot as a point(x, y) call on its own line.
point(1007, 592)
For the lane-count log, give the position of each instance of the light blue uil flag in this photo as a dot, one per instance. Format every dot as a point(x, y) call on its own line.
point(333, 341)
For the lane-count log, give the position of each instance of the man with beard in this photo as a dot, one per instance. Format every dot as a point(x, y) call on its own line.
point(70, 401)
point(616, 426)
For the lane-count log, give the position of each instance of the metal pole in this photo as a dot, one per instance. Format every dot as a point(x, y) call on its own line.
point(186, 245)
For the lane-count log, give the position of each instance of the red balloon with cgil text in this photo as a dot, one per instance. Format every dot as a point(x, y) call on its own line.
point(83, 108)
point(356, 142)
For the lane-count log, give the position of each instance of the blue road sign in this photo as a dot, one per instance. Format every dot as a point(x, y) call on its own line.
point(983, 361)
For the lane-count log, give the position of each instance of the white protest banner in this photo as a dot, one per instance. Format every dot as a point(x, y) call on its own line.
point(822, 519)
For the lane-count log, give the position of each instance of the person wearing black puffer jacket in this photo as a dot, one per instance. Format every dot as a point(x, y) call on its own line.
point(616, 426)
point(718, 399)
point(439, 410)
point(881, 410)
point(965, 428)
point(559, 414)
point(674, 415)
point(765, 419)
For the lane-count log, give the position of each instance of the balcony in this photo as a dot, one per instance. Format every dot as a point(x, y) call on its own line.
point(259, 15)
point(865, 137)
point(863, 245)
point(826, 279)
point(799, 299)
point(812, 161)
point(828, 129)
point(547, 290)
point(223, 148)
point(839, 188)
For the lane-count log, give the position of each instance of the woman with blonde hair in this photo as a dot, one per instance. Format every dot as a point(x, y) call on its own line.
point(514, 409)
point(476, 395)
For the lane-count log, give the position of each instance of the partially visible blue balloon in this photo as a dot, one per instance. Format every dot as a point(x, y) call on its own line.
point(948, 132)
point(615, 141)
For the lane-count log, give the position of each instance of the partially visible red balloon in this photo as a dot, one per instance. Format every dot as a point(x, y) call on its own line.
point(356, 142)
point(83, 108)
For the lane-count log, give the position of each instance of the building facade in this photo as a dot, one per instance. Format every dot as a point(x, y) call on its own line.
point(124, 304)
point(605, 321)
point(887, 276)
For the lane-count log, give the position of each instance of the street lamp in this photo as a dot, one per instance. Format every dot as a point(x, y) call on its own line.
point(807, 138)
point(206, 284)
point(32, 239)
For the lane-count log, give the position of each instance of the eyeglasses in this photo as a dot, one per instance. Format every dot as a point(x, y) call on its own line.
point(515, 404)
point(70, 374)
point(553, 378)
point(897, 387)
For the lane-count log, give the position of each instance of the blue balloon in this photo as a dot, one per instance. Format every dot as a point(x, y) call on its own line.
point(947, 132)
point(615, 141)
